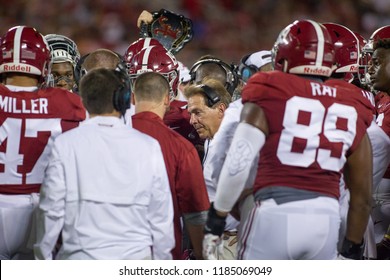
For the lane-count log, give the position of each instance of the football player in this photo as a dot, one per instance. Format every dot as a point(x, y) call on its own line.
point(30, 119)
point(306, 130)
point(65, 56)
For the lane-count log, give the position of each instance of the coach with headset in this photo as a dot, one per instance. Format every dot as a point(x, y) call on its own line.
point(207, 103)
point(106, 187)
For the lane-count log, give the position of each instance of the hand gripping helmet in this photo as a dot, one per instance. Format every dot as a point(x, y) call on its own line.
point(346, 46)
point(368, 49)
point(137, 46)
point(25, 50)
point(304, 47)
point(63, 49)
point(156, 59)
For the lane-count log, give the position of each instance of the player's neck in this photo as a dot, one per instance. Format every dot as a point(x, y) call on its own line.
point(314, 78)
point(21, 80)
point(112, 114)
point(148, 106)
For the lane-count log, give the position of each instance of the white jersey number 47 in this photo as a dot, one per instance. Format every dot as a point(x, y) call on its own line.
point(13, 131)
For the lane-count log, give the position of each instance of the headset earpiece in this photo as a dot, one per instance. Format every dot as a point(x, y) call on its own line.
point(211, 96)
point(121, 96)
point(246, 71)
point(79, 70)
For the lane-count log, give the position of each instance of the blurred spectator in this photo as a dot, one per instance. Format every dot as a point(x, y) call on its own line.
point(227, 28)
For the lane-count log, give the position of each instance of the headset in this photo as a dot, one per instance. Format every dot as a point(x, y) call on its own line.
point(80, 70)
point(246, 71)
point(212, 97)
point(121, 96)
point(231, 75)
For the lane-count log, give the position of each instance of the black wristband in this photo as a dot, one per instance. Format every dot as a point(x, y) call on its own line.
point(215, 224)
point(352, 250)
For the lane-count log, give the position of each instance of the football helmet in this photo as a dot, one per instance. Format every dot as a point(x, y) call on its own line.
point(367, 51)
point(346, 45)
point(172, 30)
point(156, 59)
point(137, 46)
point(304, 47)
point(63, 49)
point(25, 50)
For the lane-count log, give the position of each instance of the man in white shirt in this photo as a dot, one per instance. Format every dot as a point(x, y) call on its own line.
point(106, 186)
point(257, 61)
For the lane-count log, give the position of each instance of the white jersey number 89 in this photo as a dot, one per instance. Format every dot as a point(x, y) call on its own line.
point(322, 122)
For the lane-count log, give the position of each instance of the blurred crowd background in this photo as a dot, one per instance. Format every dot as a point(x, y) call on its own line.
point(228, 29)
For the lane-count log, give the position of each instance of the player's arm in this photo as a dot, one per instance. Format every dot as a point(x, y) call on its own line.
point(192, 198)
point(194, 223)
point(248, 139)
point(145, 17)
point(358, 176)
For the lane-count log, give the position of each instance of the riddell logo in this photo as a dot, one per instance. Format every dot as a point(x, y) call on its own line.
point(316, 71)
point(353, 68)
point(17, 68)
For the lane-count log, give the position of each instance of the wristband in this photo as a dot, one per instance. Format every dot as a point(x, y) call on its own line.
point(386, 241)
point(215, 224)
point(352, 250)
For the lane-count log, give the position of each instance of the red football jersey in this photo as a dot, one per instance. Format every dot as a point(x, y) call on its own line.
point(29, 122)
point(184, 170)
point(313, 127)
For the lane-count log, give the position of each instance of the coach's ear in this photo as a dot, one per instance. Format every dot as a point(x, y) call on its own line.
point(166, 100)
point(221, 107)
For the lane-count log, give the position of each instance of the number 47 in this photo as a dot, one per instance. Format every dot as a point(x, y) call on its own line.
point(12, 130)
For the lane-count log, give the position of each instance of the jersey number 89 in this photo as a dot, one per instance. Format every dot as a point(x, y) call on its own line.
point(322, 123)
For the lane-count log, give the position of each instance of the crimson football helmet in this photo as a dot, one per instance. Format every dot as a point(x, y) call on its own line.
point(156, 59)
point(25, 50)
point(346, 45)
point(304, 47)
point(368, 49)
point(137, 46)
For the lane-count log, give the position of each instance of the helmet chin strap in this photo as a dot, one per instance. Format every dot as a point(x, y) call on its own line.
point(285, 66)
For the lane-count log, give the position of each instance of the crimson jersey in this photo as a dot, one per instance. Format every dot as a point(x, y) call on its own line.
point(189, 194)
point(29, 122)
point(313, 127)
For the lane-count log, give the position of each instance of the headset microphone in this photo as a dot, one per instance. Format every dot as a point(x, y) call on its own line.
point(192, 135)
